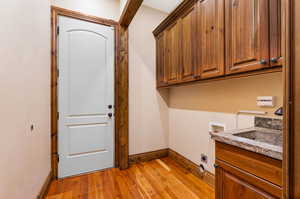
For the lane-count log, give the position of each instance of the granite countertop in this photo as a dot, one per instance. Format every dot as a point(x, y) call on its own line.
point(271, 149)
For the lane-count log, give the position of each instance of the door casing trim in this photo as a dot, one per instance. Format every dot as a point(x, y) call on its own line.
point(120, 156)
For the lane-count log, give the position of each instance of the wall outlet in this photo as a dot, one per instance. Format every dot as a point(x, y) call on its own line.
point(204, 158)
point(215, 127)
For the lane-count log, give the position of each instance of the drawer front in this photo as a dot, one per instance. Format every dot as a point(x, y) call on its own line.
point(232, 183)
point(259, 165)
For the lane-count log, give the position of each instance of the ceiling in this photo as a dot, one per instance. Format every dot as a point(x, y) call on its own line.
point(163, 5)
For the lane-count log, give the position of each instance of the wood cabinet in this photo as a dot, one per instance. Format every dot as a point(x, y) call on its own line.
point(210, 34)
point(247, 175)
point(275, 33)
point(247, 35)
point(172, 53)
point(188, 34)
point(160, 60)
point(218, 39)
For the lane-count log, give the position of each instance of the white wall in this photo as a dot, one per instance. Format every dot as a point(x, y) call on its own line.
point(165, 5)
point(148, 110)
point(192, 108)
point(25, 97)
point(109, 9)
point(189, 132)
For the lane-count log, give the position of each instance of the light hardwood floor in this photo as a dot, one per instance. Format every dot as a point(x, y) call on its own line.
point(157, 179)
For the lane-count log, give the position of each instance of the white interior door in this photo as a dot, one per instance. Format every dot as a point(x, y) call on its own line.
point(85, 97)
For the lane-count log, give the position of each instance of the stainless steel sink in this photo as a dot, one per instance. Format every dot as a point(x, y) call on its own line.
point(260, 136)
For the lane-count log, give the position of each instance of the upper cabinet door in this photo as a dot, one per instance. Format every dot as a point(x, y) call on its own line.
point(160, 60)
point(210, 23)
point(172, 53)
point(275, 33)
point(188, 33)
point(247, 35)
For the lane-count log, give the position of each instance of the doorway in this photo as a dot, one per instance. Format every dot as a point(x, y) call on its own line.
point(116, 113)
point(85, 96)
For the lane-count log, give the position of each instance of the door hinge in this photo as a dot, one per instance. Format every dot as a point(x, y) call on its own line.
point(57, 73)
point(57, 115)
point(57, 30)
point(57, 158)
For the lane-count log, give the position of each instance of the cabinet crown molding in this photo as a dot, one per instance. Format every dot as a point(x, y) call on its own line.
point(173, 16)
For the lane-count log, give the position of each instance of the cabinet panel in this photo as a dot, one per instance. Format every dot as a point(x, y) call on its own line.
point(172, 53)
point(188, 45)
point(210, 22)
point(275, 33)
point(237, 189)
point(257, 164)
point(233, 183)
point(247, 35)
point(160, 60)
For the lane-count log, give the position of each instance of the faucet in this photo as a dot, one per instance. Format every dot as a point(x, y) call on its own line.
point(279, 112)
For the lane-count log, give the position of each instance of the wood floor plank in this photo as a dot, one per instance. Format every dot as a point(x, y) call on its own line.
point(155, 183)
point(132, 182)
point(177, 187)
point(203, 190)
point(145, 183)
point(94, 187)
point(125, 189)
point(158, 179)
point(110, 190)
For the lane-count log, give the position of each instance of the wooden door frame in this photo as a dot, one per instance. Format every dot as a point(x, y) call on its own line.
point(286, 54)
point(121, 89)
point(287, 143)
point(291, 163)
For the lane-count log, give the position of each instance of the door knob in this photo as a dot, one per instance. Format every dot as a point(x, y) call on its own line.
point(110, 115)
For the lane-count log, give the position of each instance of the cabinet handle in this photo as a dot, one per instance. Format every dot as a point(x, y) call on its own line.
point(235, 3)
point(274, 59)
point(216, 166)
point(263, 61)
